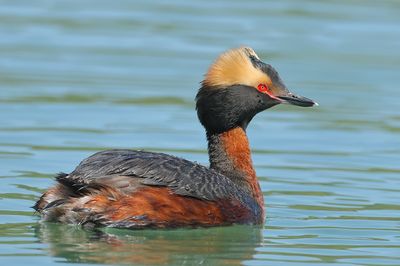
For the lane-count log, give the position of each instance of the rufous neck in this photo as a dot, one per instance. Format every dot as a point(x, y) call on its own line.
point(230, 155)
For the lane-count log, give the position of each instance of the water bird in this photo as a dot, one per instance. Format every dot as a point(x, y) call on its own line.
point(141, 189)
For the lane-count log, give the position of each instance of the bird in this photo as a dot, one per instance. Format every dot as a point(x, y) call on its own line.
point(136, 189)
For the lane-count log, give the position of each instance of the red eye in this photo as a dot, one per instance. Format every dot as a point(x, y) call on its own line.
point(262, 88)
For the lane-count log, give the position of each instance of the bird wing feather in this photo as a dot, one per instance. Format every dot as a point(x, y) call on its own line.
point(183, 177)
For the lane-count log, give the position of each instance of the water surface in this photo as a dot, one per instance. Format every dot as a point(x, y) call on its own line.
point(78, 77)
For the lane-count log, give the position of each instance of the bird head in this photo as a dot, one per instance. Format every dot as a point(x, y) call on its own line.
point(237, 86)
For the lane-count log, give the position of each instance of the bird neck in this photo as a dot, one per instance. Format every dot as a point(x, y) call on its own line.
point(230, 155)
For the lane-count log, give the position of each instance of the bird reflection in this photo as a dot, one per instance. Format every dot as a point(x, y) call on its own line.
point(220, 245)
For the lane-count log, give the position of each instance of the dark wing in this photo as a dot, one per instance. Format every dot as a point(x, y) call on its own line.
point(183, 177)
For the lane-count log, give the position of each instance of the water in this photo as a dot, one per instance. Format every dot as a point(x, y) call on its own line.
point(82, 76)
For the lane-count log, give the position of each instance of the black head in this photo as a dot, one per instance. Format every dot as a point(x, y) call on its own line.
point(237, 87)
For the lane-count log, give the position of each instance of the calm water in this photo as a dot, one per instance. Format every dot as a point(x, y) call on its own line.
point(77, 77)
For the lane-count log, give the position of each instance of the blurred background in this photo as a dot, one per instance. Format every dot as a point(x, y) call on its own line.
point(77, 77)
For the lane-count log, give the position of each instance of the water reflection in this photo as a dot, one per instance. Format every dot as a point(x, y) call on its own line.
point(223, 245)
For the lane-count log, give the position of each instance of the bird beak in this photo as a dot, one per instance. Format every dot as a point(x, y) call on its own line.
point(291, 98)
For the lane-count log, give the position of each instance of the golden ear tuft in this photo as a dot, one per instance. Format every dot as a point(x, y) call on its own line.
point(235, 67)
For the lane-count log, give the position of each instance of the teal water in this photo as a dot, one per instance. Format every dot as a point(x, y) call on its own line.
point(77, 77)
